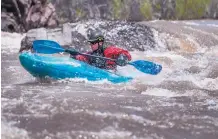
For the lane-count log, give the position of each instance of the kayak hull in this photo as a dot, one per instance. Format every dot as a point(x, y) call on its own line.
point(64, 67)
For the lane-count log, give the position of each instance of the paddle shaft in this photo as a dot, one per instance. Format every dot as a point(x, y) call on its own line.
point(78, 53)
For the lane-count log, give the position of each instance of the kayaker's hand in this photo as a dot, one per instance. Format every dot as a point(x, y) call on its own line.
point(122, 60)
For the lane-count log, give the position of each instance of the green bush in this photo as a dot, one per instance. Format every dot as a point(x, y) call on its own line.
point(146, 9)
point(79, 12)
point(117, 7)
point(188, 9)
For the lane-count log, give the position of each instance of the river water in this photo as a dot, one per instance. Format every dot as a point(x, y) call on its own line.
point(179, 103)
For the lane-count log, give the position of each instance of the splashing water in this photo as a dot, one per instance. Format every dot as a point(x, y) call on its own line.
point(180, 102)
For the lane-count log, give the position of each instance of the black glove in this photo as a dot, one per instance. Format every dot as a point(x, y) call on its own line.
point(122, 60)
point(72, 51)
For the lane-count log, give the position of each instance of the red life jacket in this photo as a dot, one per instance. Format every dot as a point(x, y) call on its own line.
point(112, 52)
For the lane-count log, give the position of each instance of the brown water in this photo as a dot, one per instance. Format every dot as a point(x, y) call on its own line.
point(181, 102)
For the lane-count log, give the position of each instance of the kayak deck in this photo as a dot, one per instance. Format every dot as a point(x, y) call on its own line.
point(64, 67)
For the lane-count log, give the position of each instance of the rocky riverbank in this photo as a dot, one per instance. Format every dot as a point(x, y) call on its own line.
point(22, 15)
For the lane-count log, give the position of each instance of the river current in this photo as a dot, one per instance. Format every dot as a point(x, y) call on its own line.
point(179, 103)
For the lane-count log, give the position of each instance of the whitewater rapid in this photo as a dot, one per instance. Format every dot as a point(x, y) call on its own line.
point(180, 102)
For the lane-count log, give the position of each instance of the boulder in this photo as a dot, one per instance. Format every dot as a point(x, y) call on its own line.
point(131, 36)
point(22, 15)
point(8, 22)
point(41, 14)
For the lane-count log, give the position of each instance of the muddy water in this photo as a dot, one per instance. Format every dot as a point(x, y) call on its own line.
point(181, 102)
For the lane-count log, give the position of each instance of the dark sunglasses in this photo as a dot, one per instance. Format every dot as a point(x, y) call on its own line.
point(98, 40)
point(94, 42)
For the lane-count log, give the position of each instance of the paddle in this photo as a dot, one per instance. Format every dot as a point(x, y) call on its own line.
point(50, 47)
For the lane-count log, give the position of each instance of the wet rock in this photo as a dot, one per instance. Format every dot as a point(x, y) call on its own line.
point(12, 15)
point(41, 14)
point(26, 44)
point(9, 23)
point(22, 15)
point(131, 36)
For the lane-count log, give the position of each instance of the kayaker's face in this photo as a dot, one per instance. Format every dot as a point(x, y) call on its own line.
point(96, 45)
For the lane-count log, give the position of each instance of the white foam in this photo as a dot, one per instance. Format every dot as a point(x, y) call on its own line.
point(82, 80)
point(133, 108)
point(120, 116)
point(213, 104)
point(212, 25)
point(191, 23)
point(207, 83)
point(10, 42)
point(160, 42)
point(159, 92)
point(8, 131)
point(204, 32)
point(105, 133)
point(82, 29)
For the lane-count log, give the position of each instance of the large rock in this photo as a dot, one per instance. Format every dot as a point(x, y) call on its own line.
point(12, 14)
point(131, 36)
point(22, 15)
point(41, 14)
point(8, 23)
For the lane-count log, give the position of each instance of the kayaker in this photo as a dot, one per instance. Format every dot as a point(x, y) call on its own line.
point(96, 40)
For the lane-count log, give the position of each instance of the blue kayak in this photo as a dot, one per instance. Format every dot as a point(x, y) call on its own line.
point(65, 67)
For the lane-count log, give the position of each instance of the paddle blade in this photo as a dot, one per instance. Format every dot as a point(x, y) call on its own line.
point(147, 67)
point(46, 47)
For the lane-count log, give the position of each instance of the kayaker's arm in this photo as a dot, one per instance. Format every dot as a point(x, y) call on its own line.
point(76, 55)
point(122, 56)
point(114, 52)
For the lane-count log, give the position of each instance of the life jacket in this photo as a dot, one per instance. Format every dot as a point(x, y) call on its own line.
point(109, 52)
point(98, 62)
